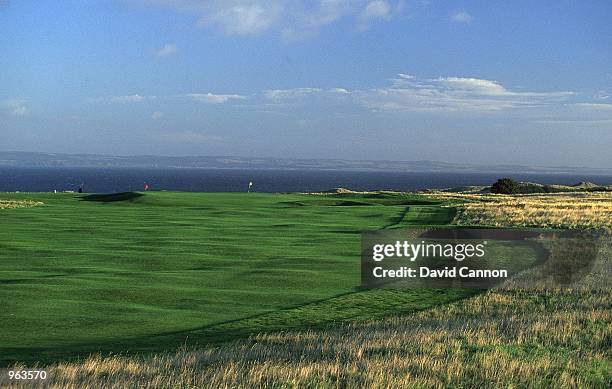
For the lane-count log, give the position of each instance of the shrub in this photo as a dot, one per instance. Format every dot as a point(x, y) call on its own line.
point(505, 186)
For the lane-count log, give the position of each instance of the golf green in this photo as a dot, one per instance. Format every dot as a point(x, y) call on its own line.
point(138, 272)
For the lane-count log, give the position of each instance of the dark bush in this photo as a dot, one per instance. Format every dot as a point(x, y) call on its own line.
point(505, 186)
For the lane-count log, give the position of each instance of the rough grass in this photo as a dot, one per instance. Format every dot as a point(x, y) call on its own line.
point(503, 338)
point(9, 204)
point(507, 337)
point(575, 210)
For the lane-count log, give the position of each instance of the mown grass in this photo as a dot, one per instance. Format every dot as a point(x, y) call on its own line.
point(140, 273)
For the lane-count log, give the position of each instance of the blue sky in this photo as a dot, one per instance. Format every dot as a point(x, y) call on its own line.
point(525, 82)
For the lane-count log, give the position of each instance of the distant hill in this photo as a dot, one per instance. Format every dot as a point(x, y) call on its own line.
point(533, 187)
point(31, 159)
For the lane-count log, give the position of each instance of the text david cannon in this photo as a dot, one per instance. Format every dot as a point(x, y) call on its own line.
point(425, 272)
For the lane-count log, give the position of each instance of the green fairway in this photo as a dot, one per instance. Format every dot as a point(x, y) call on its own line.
point(150, 272)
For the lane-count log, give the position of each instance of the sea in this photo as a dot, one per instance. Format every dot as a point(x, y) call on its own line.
point(110, 180)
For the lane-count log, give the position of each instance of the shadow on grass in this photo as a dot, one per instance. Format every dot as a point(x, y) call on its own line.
point(112, 197)
point(339, 202)
point(352, 306)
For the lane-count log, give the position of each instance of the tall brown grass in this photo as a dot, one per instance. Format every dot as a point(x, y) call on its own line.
point(6, 204)
point(564, 210)
point(504, 337)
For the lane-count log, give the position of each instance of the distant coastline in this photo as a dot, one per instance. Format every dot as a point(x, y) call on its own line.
point(126, 179)
point(35, 159)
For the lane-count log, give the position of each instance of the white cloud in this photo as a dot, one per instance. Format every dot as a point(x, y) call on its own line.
point(243, 19)
point(485, 87)
point(491, 88)
point(573, 122)
point(15, 107)
point(210, 98)
point(293, 19)
point(282, 94)
point(452, 94)
point(295, 95)
point(130, 98)
point(406, 93)
point(374, 10)
point(157, 115)
point(167, 50)
point(340, 91)
point(192, 137)
point(595, 106)
point(461, 17)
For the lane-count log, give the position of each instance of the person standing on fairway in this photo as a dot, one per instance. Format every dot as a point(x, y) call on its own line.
point(250, 185)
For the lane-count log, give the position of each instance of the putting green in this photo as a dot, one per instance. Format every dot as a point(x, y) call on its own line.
point(149, 272)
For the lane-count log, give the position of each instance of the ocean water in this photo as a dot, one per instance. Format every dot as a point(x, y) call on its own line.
point(107, 180)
